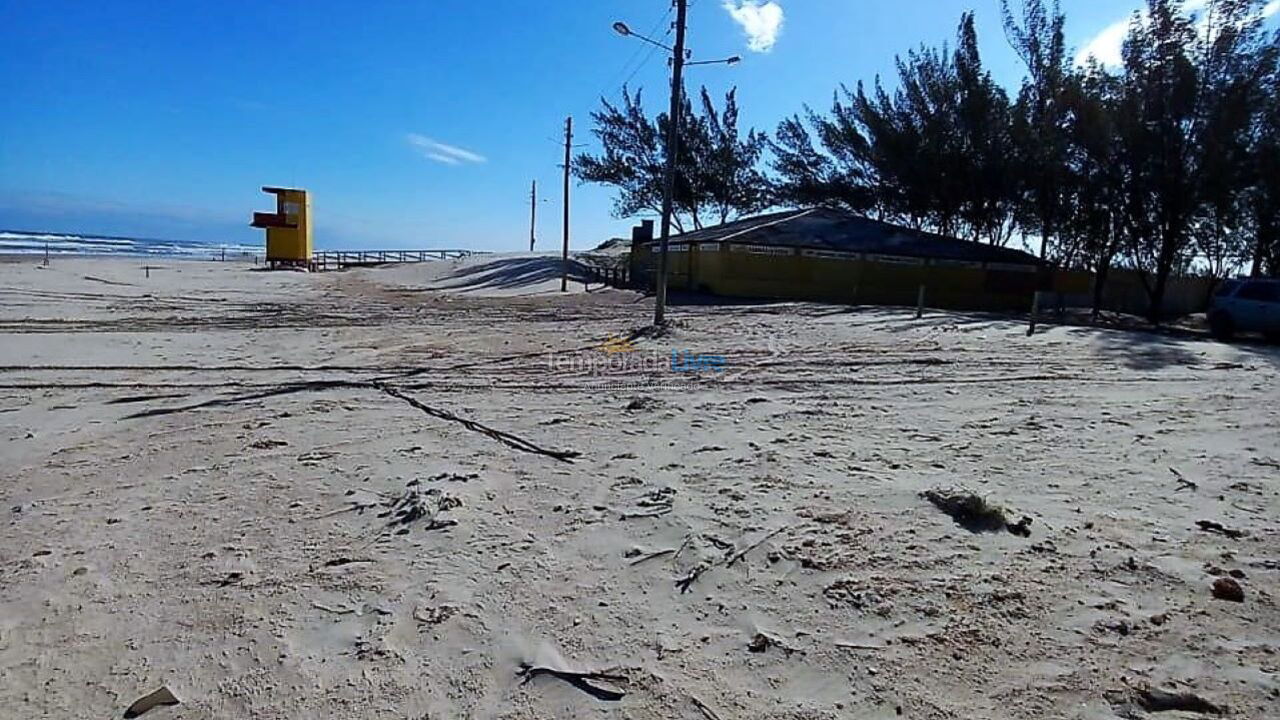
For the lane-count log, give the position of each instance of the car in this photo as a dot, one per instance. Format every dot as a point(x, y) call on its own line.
point(1246, 305)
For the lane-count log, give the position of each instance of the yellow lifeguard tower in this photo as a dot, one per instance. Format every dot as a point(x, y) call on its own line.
point(288, 228)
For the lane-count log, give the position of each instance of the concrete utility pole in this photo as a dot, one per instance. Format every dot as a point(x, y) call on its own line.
point(673, 146)
point(533, 213)
point(568, 147)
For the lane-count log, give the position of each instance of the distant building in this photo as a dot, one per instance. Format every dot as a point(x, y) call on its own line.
point(833, 256)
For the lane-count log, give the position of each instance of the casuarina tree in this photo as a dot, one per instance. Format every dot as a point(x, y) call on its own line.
point(717, 166)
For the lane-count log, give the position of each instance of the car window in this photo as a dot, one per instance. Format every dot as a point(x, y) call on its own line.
point(1265, 292)
point(1226, 288)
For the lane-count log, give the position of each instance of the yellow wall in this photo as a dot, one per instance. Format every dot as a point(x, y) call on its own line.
point(793, 274)
point(291, 244)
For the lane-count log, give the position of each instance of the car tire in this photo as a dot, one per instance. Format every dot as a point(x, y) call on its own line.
point(1221, 326)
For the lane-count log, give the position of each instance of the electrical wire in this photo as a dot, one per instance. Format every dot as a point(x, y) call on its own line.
point(648, 54)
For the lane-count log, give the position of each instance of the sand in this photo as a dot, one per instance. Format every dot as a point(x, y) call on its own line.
point(180, 512)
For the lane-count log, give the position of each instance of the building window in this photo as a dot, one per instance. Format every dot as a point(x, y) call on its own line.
point(762, 250)
point(830, 254)
point(895, 260)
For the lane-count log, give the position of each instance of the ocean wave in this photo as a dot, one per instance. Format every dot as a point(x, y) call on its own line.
point(34, 243)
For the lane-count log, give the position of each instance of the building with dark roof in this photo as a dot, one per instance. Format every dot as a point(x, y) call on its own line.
point(834, 256)
point(827, 229)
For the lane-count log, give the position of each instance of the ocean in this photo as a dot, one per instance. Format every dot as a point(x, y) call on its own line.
point(17, 242)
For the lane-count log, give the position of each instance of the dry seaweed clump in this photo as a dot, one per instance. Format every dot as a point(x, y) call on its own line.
point(974, 513)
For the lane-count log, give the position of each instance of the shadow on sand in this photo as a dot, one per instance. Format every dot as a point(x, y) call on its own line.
point(511, 274)
point(1158, 348)
point(1129, 341)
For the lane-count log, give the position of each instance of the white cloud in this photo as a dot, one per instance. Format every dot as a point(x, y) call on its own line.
point(1107, 46)
point(762, 21)
point(442, 153)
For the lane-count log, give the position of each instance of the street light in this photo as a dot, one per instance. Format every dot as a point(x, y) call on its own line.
point(734, 60)
point(679, 59)
point(622, 29)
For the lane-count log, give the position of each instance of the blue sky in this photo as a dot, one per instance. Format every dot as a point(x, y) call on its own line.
point(415, 123)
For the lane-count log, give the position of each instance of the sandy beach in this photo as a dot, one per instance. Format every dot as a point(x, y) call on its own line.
point(383, 492)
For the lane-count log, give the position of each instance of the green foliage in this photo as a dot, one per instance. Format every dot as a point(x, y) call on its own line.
point(1167, 164)
point(717, 168)
point(1039, 130)
point(933, 154)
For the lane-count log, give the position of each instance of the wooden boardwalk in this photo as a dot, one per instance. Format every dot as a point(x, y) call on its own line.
point(323, 260)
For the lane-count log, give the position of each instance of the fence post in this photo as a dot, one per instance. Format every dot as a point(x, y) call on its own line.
point(920, 302)
point(1035, 310)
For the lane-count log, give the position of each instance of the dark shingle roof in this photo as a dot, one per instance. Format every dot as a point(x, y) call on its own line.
point(827, 229)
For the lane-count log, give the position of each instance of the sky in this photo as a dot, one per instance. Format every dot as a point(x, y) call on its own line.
point(414, 123)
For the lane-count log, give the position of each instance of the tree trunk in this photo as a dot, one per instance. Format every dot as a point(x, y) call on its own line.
point(1099, 283)
point(1263, 250)
point(1164, 266)
point(1046, 226)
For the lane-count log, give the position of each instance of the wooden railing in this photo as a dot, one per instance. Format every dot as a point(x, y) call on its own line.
point(338, 259)
point(612, 271)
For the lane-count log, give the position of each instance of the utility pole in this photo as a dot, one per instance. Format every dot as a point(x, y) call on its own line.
point(673, 146)
point(533, 213)
point(568, 146)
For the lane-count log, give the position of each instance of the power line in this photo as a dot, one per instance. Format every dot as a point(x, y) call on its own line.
point(639, 51)
point(643, 63)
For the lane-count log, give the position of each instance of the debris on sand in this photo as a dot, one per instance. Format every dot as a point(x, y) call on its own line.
point(742, 554)
point(449, 477)
point(972, 512)
point(641, 557)
point(703, 708)
point(686, 581)
point(506, 438)
point(1022, 528)
point(414, 504)
point(643, 403)
point(1155, 700)
point(587, 682)
point(1183, 483)
point(231, 578)
point(731, 555)
point(1130, 701)
point(357, 609)
point(761, 642)
point(150, 701)
point(655, 503)
point(1225, 588)
point(401, 511)
point(311, 459)
point(434, 615)
point(340, 561)
point(1220, 529)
